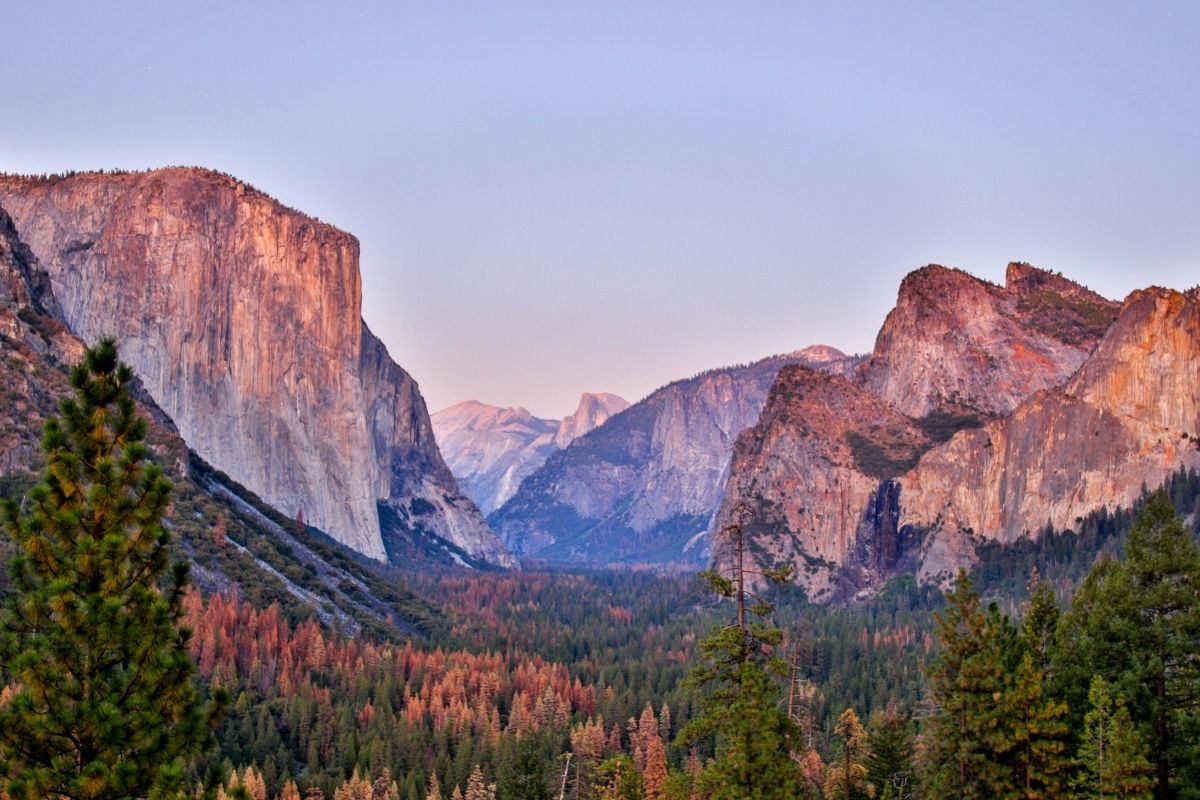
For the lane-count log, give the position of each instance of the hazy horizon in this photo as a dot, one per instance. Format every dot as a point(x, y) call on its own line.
point(559, 199)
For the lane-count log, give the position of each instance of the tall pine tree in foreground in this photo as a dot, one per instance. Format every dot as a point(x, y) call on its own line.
point(967, 683)
point(1136, 623)
point(755, 739)
point(104, 705)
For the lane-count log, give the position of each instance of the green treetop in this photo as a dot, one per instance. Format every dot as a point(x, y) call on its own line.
point(103, 703)
point(1136, 623)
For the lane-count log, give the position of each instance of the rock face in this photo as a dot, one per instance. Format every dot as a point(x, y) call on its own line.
point(954, 340)
point(491, 450)
point(1127, 419)
point(982, 413)
point(811, 467)
point(643, 487)
point(242, 319)
point(592, 412)
point(31, 342)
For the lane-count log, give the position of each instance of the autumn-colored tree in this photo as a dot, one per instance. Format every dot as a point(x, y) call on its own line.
point(434, 790)
point(654, 774)
point(477, 787)
point(847, 777)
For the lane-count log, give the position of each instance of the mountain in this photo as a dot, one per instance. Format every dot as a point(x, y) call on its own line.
point(983, 413)
point(242, 319)
point(954, 341)
point(491, 450)
point(232, 539)
point(1127, 419)
point(643, 486)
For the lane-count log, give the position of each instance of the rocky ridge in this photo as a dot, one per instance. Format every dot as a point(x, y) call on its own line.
point(242, 319)
point(491, 450)
point(983, 412)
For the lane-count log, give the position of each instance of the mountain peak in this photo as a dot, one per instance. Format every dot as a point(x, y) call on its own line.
point(593, 410)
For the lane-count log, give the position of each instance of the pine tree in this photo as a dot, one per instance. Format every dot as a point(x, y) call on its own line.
point(524, 773)
point(892, 745)
point(1040, 624)
point(477, 788)
point(434, 791)
point(755, 739)
point(967, 683)
point(1112, 758)
point(1034, 736)
point(106, 706)
point(654, 775)
point(847, 779)
point(1136, 624)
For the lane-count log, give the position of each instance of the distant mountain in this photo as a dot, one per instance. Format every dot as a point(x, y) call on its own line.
point(242, 318)
point(491, 450)
point(643, 486)
point(984, 413)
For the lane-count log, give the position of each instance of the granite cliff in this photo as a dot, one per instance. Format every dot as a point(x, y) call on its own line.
point(1128, 418)
point(491, 450)
point(242, 319)
point(955, 341)
point(232, 539)
point(643, 487)
point(983, 413)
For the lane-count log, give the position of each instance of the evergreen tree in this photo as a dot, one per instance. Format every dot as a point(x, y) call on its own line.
point(1112, 758)
point(1136, 623)
point(967, 683)
point(755, 739)
point(524, 773)
point(620, 780)
point(105, 705)
point(892, 744)
point(847, 779)
point(1033, 736)
point(1040, 624)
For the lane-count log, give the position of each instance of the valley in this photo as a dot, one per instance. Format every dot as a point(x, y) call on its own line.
point(407, 606)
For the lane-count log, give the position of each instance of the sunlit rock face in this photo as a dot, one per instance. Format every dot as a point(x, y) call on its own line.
point(1125, 420)
point(642, 488)
point(983, 413)
point(955, 340)
point(243, 319)
point(491, 450)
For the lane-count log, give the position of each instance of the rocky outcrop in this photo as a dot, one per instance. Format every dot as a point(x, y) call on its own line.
point(242, 319)
point(491, 450)
point(811, 466)
point(1126, 420)
point(983, 414)
point(32, 345)
point(644, 486)
point(954, 341)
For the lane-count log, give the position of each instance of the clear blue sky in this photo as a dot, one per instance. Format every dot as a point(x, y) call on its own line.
point(560, 197)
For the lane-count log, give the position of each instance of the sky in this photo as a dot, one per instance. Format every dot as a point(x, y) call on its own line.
point(561, 197)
